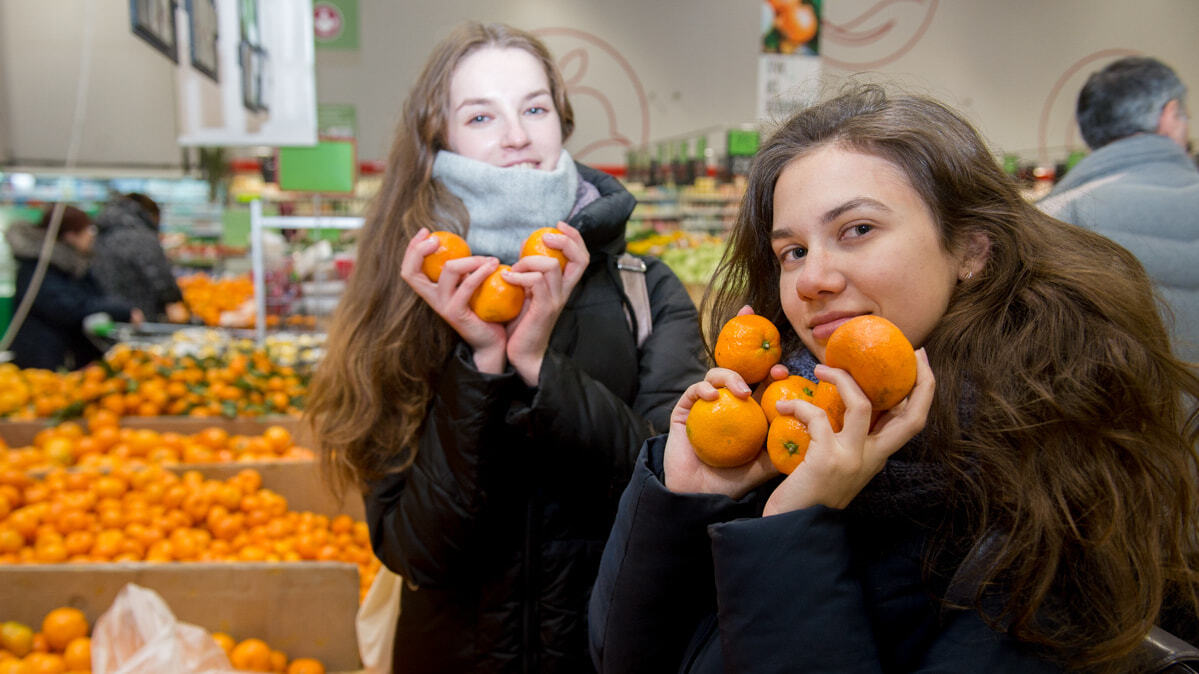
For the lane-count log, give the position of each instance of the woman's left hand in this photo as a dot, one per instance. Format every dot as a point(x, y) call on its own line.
point(547, 287)
point(838, 465)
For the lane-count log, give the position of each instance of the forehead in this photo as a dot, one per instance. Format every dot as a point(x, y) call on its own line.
point(491, 72)
point(831, 175)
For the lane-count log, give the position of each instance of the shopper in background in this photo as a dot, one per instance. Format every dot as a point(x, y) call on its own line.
point(1048, 469)
point(492, 455)
point(53, 334)
point(1139, 187)
point(130, 262)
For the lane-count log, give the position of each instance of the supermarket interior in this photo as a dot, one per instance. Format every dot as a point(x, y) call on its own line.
point(164, 473)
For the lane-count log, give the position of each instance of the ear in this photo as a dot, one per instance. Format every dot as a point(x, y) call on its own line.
point(974, 256)
point(1172, 122)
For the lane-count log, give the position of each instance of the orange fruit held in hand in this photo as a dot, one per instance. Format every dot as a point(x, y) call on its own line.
point(828, 399)
point(450, 247)
point(787, 443)
point(62, 625)
point(878, 357)
point(793, 387)
point(728, 431)
point(749, 346)
point(534, 245)
point(496, 300)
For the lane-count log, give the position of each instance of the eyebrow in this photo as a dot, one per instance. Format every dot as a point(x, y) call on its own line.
point(485, 101)
point(838, 211)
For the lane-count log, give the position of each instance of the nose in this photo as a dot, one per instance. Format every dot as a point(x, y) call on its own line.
point(515, 135)
point(819, 276)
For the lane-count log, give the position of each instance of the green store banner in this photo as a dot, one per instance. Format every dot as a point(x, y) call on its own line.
point(335, 24)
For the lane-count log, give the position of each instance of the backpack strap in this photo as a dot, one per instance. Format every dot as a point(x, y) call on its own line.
point(632, 277)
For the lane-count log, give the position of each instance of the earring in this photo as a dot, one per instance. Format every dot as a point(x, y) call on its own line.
point(969, 275)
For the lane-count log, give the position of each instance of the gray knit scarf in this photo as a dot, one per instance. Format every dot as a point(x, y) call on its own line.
point(507, 204)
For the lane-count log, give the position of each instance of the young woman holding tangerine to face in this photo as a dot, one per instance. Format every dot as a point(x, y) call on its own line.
point(998, 519)
point(491, 454)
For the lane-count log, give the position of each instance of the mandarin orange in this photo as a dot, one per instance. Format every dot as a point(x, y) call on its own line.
point(450, 246)
point(749, 346)
point(877, 355)
point(535, 245)
point(793, 387)
point(787, 443)
point(728, 431)
point(496, 300)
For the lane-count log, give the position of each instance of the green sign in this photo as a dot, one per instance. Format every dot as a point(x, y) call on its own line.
point(328, 166)
point(335, 24)
point(742, 143)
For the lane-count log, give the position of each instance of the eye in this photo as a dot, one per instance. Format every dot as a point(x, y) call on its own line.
point(792, 253)
point(477, 119)
point(537, 110)
point(860, 229)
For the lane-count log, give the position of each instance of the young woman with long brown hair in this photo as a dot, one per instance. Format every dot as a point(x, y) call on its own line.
point(1033, 507)
point(491, 456)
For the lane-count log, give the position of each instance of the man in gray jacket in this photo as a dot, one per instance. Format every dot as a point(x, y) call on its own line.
point(1139, 186)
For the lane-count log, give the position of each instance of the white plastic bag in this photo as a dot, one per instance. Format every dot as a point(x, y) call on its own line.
point(376, 622)
point(138, 634)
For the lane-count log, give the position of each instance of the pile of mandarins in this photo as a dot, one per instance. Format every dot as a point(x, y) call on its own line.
point(106, 444)
point(64, 645)
point(137, 382)
point(731, 431)
point(151, 514)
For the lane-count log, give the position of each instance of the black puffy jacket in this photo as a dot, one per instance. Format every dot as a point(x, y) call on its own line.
point(129, 261)
point(499, 524)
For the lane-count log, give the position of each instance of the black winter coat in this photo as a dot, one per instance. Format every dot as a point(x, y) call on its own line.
point(703, 583)
point(52, 335)
point(128, 260)
point(498, 526)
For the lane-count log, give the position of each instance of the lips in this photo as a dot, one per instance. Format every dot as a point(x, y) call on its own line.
point(528, 163)
point(823, 325)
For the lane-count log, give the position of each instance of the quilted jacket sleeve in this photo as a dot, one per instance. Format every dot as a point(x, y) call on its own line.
point(425, 520)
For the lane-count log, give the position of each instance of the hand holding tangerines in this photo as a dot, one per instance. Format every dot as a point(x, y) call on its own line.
point(458, 275)
point(839, 464)
point(552, 262)
point(685, 471)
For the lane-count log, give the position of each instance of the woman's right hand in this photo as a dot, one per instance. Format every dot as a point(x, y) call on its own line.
point(450, 298)
point(684, 472)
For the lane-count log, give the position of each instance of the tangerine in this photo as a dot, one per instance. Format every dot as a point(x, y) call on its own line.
point(793, 387)
point(787, 443)
point(450, 246)
point(535, 245)
point(306, 666)
point(496, 300)
point(62, 625)
point(16, 638)
point(874, 351)
point(251, 654)
point(78, 654)
point(728, 431)
point(749, 346)
point(829, 399)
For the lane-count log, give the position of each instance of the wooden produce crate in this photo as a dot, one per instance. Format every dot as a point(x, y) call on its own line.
point(305, 610)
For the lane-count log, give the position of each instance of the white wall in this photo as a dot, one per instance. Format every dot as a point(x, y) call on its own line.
point(130, 101)
point(1014, 67)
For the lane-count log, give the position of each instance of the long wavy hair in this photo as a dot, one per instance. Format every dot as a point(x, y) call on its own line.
point(385, 346)
point(1080, 448)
